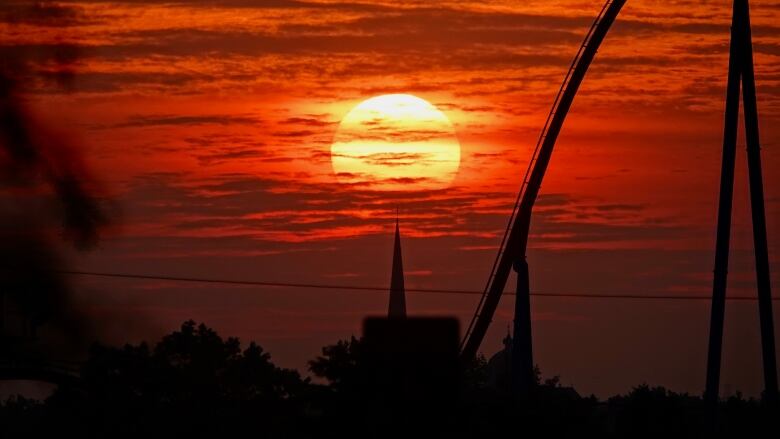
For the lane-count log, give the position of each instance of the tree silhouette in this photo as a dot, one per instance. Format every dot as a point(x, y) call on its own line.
point(340, 364)
point(193, 382)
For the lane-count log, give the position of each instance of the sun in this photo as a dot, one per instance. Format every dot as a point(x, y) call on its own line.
point(396, 142)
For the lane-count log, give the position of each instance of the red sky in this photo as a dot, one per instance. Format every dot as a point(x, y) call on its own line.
point(209, 125)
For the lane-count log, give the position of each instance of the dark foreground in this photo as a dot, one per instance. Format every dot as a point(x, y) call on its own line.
point(194, 383)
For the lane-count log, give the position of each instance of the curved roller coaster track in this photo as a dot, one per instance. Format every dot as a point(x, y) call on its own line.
point(512, 250)
point(515, 239)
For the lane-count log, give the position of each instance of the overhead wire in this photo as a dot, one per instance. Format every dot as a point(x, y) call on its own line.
point(346, 287)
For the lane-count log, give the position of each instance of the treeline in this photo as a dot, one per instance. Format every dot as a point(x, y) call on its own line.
point(194, 383)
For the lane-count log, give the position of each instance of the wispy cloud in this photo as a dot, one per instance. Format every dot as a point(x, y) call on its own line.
point(168, 120)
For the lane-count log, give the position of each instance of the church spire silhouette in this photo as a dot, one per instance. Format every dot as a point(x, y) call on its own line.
point(397, 306)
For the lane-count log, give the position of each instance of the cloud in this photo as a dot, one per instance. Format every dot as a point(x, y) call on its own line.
point(41, 13)
point(249, 4)
point(278, 210)
point(218, 148)
point(295, 133)
point(168, 120)
point(106, 82)
point(395, 159)
point(353, 41)
point(312, 121)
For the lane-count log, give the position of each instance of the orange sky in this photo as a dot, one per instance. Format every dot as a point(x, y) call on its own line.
point(210, 123)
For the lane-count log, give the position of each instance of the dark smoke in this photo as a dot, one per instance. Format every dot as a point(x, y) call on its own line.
point(28, 156)
point(44, 187)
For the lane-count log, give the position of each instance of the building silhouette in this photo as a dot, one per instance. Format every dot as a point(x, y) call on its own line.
point(397, 306)
point(498, 366)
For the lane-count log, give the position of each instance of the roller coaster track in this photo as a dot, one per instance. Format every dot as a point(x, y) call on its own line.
point(515, 235)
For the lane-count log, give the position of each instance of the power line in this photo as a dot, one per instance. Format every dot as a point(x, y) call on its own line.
point(384, 289)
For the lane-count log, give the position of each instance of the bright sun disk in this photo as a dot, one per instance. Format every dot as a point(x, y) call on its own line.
point(396, 142)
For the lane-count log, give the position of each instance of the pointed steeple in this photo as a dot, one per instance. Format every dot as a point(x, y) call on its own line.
point(397, 307)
